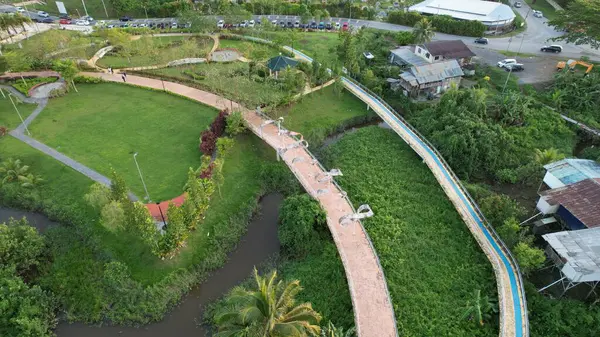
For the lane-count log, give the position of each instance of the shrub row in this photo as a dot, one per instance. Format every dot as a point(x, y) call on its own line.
point(441, 23)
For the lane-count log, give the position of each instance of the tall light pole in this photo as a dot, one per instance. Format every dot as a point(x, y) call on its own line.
point(84, 8)
point(141, 178)
point(18, 113)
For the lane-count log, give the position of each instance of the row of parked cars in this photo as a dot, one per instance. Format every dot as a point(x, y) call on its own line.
point(510, 65)
point(285, 24)
point(151, 25)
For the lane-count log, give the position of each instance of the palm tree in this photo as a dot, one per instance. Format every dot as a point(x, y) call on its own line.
point(332, 331)
point(12, 169)
point(30, 180)
point(269, 310)
point(423, 31)
point(480, 308)
point(547, 156)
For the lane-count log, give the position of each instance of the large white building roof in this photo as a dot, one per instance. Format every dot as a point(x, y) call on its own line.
point(487, 12)
point(580, 252)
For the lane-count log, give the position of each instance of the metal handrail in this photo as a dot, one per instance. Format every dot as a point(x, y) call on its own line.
point(478, 211)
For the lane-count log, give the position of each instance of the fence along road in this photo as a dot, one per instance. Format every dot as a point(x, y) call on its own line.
point(373, 310)
point(511, 293)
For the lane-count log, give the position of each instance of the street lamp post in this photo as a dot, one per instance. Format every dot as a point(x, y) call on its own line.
point(162, 216)
point(18, 113)
point(85, 8)
point(141, 178)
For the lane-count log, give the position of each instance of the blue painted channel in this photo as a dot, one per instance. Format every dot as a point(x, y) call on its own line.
point(513, 281)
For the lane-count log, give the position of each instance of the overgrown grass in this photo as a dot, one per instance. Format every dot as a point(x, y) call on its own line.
point(8, 116)
point(230, 80)
point(168, 49)
point(323, 113)
point(432, 263)
point(318, 45)
point(250, 50)
point(543, 6)
point(103, 125)
point(498, 78)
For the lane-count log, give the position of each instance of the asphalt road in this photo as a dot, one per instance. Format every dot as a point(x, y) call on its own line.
point(537, 34)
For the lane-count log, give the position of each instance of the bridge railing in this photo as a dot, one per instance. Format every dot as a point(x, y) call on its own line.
point(464, 191)
point(347, 199)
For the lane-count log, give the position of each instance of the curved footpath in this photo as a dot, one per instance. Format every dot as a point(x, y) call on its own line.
point(373, 310)
point(511, 293)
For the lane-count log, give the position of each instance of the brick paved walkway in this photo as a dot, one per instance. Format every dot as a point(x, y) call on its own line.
point(373, 310)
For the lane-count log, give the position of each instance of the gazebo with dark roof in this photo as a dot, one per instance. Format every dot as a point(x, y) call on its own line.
point(279, 63)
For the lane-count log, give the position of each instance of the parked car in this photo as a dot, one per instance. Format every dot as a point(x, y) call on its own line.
point(220, 23)
point(110, 26)
point(65, 21)
point(482, 40)
point(345, 26)
point(337, 25)
point(555, 48)
point(134, 25)
point(514, 67)
point(251, 23)
point(87, 18)
point(518, 4)
point(290, 24)
point(259, 21)
point(173, 25)
point(82, 23)
point(125, 18)
point(313, 25)
point(274, 22)
point(46, 20)
point(282, 24)
point(297, 24)
point(244, 24)
point(538, 14)
point(142, 25)
point(124, 25)
point(506, 62)
point(65, 16)
point(328, 26)
point(43, 14)
point(20, 9)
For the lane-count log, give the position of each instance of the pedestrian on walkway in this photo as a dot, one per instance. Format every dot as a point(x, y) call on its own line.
point(123, 77)
point(110, 70)
point(124, 74)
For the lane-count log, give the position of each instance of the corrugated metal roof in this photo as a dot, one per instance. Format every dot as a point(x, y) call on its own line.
point(580, 249)
point(475, 10)
point(450, 49)
point(433, 72)
point(570, 171)
point(408, 57)
point(581, 199)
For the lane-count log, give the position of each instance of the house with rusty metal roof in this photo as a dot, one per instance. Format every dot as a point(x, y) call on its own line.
point(431, 78)
point(576, 204)
point(435, 51)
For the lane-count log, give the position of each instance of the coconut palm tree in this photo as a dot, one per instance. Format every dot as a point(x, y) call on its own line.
point(547, 156)
point(423, 31)
point(480, 308)
point(30, 180)
point(269, 310)
point(332, 331)
point(11, 169)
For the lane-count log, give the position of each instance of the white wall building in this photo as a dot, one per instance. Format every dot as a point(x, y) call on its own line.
point(492, 14)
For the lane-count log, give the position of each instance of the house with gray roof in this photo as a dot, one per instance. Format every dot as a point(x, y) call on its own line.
point(430, 78)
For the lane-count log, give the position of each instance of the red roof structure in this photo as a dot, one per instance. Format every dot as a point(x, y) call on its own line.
point(155, 210)
point(581, 199)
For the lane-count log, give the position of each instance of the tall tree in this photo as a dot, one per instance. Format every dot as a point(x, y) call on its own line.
point(67, 70)
point(580, 23)
point(269, 310)
point(423, 31)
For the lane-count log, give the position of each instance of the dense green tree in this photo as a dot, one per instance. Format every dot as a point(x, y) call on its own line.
point(118, 188)
point(529, 258)
point(98, 196)
point(21, 246)
point(580, 22)
point(299, 216)
point(175, 233)
point(3, 64)
point(67, 70)
point(423, 31)
point(268, 310)
point(25, 311)
point(547, 156)
point(497, 208)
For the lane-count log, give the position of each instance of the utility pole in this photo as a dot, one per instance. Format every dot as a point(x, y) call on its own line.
point(105, 11)
point(84, 8)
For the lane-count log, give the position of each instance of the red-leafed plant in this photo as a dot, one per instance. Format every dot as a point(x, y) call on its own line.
point(207, 172)
point(208, 142)
point(3, 131)
point(219, 124)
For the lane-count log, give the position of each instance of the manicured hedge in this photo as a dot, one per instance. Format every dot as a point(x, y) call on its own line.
point(441, 23)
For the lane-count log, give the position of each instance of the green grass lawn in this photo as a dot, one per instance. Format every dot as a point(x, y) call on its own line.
point(323, 113)
point(543, 6)
point(8, 116)
point(169, 49)
point(431, 261)
point(104, 124)
point(318, 45)
point(250, 50)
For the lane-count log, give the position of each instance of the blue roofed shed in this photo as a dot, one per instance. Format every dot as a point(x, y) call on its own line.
point(570, 171)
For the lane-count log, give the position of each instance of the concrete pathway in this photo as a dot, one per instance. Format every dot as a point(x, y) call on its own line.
point(373, 310)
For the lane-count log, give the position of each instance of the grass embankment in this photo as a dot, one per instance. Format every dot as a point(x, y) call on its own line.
point(166, 48)
point(318, 45)
point(544, 7)
point(105, 124)
point(230, 80)
point(323, 112)
point(431, 261)
point(250, 50)
point(8, 116)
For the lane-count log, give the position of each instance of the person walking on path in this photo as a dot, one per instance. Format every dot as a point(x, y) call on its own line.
point(125, 74)
point(123, 77)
